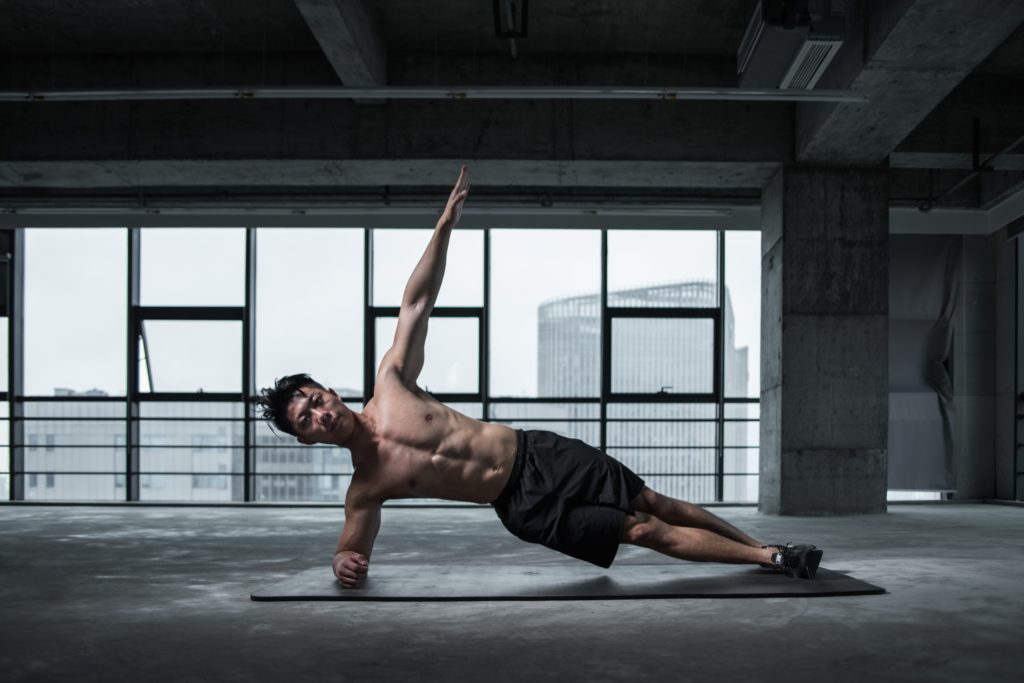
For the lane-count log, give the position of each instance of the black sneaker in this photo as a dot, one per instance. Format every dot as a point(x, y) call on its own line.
point(797, 560)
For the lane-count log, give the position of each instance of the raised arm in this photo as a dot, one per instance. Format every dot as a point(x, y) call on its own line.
point(352, 556)
point(406, 353)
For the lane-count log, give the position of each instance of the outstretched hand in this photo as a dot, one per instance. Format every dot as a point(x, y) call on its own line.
point(453, 210)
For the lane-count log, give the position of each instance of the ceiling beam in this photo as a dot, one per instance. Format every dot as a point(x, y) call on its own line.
point(349, 38)
point(955, 160)
point(917, 52)
point(340, 173)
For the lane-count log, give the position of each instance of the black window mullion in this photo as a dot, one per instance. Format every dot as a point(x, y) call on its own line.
point(369, 321)
point(249, 367)
point(720, 372)
point(484, 384)
point(191, 312)
point(16, 366)
point(605, 344)
point(134, 326)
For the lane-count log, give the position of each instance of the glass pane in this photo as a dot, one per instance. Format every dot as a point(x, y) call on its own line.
point(75, 289)
point(671, 446)
point(749, 411)
point(745, 433)
point(671, 355)
point(309, 306)
point(303, 488)
point(665, 268)
point(740, 461)
point(196, 409)
point(742, 314)
point(396, 253)
point(191, 487)
point(192, 460)
point(192, 267)
point(550, 411)
point(740, 489)
point(191, 355)
point(108, 460)
point(201, 436)
point(76, 409)
point(661, 435)
point(3, 354)
point(286, 459)
point(48, 434)
point(56, 486)
point(672, 411)
point(5, 452)
point(545, 314)
point(452, 357)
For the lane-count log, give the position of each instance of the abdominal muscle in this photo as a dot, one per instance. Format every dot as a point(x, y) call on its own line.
point(427, 450)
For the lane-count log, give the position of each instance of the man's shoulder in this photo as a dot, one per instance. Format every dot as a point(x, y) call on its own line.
point(364, 490)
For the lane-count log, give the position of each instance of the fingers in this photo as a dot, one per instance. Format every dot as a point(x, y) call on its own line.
point(351, 572)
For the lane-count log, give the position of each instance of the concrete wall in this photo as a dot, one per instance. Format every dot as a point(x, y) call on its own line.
point(984, 369)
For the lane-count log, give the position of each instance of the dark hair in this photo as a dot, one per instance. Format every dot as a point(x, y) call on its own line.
point(274, 400)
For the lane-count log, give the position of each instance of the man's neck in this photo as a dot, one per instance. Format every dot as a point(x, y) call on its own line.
point(362, 442)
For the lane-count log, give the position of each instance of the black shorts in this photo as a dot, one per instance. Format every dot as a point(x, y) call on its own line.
point(567, 496)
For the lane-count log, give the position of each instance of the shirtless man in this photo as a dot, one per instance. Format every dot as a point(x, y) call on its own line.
point(545, 488)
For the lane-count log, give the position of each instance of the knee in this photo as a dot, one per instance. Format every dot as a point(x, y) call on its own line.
point(640, 528)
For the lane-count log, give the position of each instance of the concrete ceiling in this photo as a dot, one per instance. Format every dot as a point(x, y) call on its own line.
point(944, 79)
point(699, 27)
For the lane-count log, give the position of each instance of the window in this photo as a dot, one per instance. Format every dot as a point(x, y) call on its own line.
point(674, 396)
point(396, 253)
point(309, 306)
point(663, 355)
point(190, 356)
point(662, 268)
point(452, 357)
point(742, 311)
point(192, 266)
point(75, 288)
point(545, 313)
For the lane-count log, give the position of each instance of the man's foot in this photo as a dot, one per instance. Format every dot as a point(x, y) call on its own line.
point(797, 560)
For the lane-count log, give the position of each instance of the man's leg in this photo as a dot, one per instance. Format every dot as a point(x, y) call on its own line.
point(687, 543)
point(679, 513)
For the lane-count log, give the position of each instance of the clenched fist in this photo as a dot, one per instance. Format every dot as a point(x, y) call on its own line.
point(350, 568)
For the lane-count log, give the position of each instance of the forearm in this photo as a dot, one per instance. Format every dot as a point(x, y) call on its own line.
point(426, 279)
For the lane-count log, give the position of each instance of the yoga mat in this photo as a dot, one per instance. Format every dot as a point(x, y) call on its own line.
point(426, 582)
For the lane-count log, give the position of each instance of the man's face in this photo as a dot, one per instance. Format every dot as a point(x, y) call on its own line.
point(318, 416)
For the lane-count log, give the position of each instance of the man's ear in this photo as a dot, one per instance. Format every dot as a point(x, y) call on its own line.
point(304, 441)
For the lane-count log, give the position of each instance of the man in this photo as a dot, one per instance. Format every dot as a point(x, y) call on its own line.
point(545, 488)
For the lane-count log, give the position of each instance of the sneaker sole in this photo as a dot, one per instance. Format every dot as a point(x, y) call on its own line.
point(810, 568)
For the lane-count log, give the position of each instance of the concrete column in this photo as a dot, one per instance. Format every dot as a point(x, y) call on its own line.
point(824, 341)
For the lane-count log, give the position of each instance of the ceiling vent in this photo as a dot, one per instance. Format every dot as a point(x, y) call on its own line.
point(790, 43)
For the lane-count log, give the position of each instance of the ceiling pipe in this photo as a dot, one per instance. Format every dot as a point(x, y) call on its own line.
point(438, 93)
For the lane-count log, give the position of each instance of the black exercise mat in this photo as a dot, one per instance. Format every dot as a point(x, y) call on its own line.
point(424, 582)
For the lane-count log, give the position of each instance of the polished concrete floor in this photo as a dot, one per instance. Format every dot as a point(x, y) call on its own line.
point(162, 594)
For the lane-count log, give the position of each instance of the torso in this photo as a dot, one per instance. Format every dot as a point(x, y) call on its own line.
point(424, 449)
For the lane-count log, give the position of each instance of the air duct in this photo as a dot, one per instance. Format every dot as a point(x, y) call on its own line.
point(790, 43)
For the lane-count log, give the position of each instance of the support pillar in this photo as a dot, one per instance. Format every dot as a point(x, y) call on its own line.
point(824, 341)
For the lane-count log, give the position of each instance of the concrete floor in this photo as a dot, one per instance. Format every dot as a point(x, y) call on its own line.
point(162, 593)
